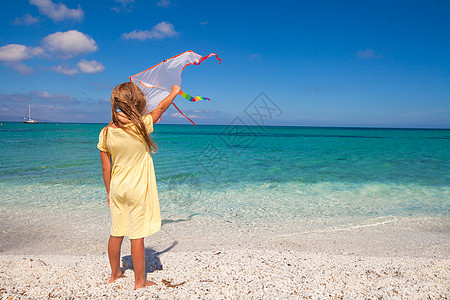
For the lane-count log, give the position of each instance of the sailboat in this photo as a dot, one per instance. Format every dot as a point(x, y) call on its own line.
point(30, 120)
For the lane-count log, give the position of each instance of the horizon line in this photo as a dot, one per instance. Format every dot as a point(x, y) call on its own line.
point(252, 125)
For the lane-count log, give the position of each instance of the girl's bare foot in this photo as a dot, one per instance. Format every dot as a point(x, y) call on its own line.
point(146, 284)
point(115, 277)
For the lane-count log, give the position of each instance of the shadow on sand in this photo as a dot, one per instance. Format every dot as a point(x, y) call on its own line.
point(152, 261)
point(167, 221)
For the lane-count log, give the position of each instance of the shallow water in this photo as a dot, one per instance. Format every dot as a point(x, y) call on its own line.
point(245, 175)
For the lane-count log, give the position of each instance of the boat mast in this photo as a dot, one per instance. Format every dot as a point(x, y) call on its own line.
point(29, 112)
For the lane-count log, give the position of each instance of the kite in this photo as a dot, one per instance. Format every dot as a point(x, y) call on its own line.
point(156, 82)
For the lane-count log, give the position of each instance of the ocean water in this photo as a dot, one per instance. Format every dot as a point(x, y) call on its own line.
point(245, 175)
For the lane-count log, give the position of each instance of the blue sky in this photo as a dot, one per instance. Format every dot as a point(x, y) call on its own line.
point(323, 63)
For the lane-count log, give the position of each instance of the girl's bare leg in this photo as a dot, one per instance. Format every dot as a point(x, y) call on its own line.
point(138, 257)
point(114, 245)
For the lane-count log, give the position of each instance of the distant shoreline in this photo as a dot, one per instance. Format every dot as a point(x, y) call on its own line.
point(258, 126)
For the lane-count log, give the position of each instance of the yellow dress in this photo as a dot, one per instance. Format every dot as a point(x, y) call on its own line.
point(134, 200)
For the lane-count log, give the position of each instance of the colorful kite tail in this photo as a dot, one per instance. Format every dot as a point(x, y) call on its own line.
point(190, 98)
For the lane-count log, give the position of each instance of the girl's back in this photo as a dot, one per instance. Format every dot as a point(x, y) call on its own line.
point(127, 149)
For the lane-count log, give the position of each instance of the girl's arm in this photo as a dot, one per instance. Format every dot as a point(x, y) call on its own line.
point(106, 170)
point(164, 104)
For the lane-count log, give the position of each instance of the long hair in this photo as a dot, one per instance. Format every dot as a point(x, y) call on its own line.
point(130, 100)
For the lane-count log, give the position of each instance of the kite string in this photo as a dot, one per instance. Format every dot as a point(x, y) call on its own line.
point(183, 114)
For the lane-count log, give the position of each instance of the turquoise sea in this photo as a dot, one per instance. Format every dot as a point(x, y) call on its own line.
point(242, 174)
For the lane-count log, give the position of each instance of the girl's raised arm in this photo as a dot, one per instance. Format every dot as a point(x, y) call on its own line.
point(164, 104)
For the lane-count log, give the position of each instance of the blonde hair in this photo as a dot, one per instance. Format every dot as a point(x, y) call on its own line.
point(130, 100)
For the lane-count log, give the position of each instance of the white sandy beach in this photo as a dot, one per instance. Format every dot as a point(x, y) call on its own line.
point(387, 258)
point(231, 274)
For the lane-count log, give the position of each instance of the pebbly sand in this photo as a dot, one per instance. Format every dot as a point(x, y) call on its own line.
point(231, 274)
point(387, 258)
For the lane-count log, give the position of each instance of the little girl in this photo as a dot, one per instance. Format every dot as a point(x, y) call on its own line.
point(130, 184)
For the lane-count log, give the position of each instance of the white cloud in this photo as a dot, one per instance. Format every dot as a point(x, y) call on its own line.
point(254, 56)
point(65, 70)
point(433, 111)
point(90, 67)
point(63, 45)
point(13, 55)
point(177, 115)
point(4, 99)
point(27, 20)
point(85, 66)
point(101, 86)
point(207, 111)
point(41, 94)
point(163, 3)
point(159, 31)
point(57, 12)
point(17, 52)
point(22, 69)
point(203, 22)
point(68, 44)
point(199, 114)
point(125, 2)
point(367, 53)
point(49, 96)
point(191, 116)
point(125, 6)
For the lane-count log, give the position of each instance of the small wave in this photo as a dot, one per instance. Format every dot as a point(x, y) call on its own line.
point(367, 223)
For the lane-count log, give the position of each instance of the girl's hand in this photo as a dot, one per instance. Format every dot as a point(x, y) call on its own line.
point(176, 89)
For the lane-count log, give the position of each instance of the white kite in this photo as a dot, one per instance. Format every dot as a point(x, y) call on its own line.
point(157, 81)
